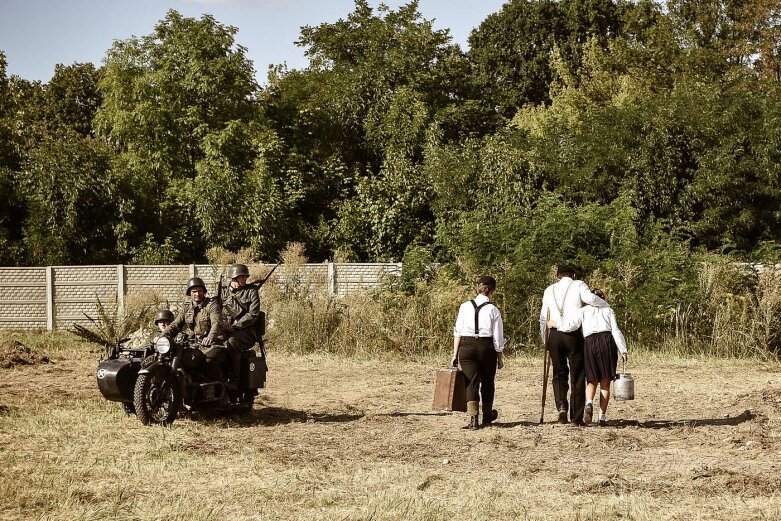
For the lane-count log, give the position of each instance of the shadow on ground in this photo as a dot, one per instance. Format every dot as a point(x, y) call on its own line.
point(509, 425)
point(743, 417)
point(399, 414)
point(270, 416)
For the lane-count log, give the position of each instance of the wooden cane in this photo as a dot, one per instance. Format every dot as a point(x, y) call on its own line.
point(545, 368)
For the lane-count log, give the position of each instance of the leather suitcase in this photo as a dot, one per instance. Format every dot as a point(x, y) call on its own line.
point(450, 390)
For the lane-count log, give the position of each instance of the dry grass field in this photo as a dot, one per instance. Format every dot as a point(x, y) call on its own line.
point(355, 439)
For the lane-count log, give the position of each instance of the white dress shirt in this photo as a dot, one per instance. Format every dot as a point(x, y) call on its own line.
point(595, 320)
point(565, 298)
point(489, 322)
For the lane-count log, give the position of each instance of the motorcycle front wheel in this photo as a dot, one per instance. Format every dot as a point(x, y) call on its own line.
point(156, 400)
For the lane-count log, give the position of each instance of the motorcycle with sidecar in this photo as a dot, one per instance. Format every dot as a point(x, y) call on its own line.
point(170, 376)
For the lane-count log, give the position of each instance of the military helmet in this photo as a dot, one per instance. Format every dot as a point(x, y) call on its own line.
point(237, 270)
point(194, 283)
point(164, 314)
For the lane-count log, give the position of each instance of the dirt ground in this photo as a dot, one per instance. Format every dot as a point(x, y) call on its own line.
point(16, 353)
point(338, 438)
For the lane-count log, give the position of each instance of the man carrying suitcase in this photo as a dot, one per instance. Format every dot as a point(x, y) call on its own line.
point(478, 342)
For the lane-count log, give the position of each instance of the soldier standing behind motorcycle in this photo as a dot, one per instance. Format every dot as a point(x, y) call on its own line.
point(202, 316)
point(241, 310)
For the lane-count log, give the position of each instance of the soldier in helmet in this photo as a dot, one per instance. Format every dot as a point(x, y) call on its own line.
point(241, 310)
point(163, 318)
point(202, 316)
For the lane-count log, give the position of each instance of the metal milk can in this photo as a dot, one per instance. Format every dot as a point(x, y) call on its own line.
point(624, 385)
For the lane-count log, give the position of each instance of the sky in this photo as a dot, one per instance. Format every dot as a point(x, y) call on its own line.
point(35, 35)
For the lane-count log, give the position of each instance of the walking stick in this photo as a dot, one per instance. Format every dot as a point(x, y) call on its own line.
point(545, 368)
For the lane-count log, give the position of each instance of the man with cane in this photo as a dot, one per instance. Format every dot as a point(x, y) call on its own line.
point(565, 347)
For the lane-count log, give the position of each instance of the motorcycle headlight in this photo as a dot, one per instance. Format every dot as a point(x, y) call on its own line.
point(162, 345)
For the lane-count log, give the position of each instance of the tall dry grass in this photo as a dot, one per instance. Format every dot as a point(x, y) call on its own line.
point(736, 313)
point(305, 318)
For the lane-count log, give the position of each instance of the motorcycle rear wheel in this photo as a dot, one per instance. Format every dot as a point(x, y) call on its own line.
point(156, 401)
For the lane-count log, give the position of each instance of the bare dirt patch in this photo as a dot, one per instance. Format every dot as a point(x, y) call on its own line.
point(14, 353)
point(335, 438)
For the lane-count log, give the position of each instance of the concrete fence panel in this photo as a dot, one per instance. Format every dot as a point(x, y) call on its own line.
point(56, 297)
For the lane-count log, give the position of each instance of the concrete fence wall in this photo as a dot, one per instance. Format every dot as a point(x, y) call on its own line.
point(55, 297)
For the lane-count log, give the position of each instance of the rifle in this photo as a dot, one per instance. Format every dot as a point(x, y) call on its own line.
point(260, 284)
point(220, 286)
point(545, 367)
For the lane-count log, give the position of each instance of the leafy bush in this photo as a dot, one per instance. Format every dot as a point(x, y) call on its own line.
point(112, 323)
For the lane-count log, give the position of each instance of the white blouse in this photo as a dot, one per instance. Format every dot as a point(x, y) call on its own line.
point(594, 320)
point(489, 322)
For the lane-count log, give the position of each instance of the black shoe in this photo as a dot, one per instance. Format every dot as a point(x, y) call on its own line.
point(588, 413)
point(473, 423)
point(490, 417)
point(563, 417)
point(603, 423)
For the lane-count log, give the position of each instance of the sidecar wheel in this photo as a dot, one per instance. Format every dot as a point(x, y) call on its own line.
point(129, 408)
point(155, 400)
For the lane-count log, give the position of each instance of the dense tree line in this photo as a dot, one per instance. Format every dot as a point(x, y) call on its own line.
point(600, 132)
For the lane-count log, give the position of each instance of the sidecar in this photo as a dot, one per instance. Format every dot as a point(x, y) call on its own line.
point(117, 374)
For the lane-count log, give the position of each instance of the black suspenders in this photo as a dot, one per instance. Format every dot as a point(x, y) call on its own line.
point(477, 315)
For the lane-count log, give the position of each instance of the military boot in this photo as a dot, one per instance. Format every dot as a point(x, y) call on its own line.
point(472, 408)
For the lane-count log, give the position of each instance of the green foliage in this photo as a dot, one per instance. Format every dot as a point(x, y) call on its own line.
point(72, 97)
point(417, 267)
point(637, 140)
point(112, 324)
point(511, 50)
point(71, 200)
point(153, 252)
point(178, 104)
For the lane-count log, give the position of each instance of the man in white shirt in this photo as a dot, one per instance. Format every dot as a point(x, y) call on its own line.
point(560, 300)
point(478, 343)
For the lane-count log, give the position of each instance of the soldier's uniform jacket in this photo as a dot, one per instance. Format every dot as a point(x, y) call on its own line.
point(241, 306)
point(202, 319)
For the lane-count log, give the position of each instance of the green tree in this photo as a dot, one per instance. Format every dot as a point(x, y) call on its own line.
point(354, 127)
point(71, 198)
point(511, 50)
point(72, 97)
point(172, 100)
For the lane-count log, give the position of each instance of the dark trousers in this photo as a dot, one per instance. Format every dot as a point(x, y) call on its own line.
point(478, 362)
point(565, 347)
point(215, 359)
point(239, 341)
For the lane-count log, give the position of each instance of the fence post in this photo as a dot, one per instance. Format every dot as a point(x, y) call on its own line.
point(50, 298)
point(121, 287)
point(192, 270)
point(331, 278)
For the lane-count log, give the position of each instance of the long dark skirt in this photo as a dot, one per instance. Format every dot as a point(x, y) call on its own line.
point(601, 356)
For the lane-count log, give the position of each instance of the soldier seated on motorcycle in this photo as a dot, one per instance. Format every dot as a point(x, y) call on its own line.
point(201, 315)
point(241, 311)
point(163, 318)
